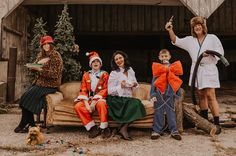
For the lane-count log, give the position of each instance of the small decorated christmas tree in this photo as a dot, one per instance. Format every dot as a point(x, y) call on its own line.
point(34, 46)
point(65, 45)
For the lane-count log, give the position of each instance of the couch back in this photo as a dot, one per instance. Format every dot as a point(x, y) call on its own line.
point(70, 90)
point(143, 91)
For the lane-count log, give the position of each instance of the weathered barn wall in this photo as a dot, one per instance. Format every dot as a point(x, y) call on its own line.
point(137, 19)
point(111, 2)
point(14, 34)
point(117, 18)
point(223, 21)
point(6, 6)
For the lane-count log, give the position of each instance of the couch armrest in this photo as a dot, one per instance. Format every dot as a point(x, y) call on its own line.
point(52, 100)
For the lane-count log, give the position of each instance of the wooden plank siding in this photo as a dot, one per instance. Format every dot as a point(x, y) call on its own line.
point(14, 34)
point(92, 19)
point(223, 20)
point(117, 18)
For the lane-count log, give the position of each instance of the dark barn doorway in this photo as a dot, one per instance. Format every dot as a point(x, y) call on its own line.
point(140, 49)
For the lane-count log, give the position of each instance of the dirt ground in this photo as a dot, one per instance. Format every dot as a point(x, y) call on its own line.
point(71, 141)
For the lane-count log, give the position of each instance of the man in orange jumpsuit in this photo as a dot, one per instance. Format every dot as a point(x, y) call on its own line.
point(92, 96)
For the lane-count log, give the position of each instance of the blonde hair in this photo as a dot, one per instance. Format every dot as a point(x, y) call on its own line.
point(198, 20)
point(164, 51)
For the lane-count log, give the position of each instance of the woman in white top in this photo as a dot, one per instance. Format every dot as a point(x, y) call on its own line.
point(121, 83)
point(207, 75)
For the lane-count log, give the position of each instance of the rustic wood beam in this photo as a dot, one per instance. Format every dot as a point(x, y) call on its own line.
point(115, 2)
point(11, 30)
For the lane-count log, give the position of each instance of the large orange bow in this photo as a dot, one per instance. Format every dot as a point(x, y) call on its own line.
point(167, 75)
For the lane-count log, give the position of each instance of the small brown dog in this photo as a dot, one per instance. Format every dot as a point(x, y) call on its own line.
point(34, 136)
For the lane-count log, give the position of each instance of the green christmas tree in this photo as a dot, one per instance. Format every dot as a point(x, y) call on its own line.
point(34, 46)
point(65, 44)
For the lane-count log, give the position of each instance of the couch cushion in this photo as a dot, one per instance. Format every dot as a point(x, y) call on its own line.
point(70, 90)
point(143, 91)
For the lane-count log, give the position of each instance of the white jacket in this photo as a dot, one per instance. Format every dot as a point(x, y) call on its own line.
point(207, 75)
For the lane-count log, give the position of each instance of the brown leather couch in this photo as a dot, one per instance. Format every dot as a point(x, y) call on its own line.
point(61, 107)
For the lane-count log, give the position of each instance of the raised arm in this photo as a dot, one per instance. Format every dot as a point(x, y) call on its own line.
point(169, 28)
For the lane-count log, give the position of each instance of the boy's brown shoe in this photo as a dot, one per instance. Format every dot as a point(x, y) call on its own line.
point(155, 135)
point(176, 136)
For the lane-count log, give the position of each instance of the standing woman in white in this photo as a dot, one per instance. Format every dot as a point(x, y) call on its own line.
point(207, 75)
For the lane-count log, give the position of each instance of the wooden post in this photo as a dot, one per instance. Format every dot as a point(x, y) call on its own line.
point(11, 74)
point(179, 111)
point(2, 93)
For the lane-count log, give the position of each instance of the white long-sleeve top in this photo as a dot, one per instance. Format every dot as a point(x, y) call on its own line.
point(207, 75)
point(114, 83)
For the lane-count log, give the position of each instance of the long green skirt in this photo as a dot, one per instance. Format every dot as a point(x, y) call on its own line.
point(125, 109)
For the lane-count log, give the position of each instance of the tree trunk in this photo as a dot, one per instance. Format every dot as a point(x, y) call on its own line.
point(191, 115)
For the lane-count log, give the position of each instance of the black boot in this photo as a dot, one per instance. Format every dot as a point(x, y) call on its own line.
point(217, 123)
point(23, 123)
point(204, 114)
point(31, 119)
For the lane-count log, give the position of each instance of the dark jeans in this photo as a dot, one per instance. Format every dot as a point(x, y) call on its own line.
point(165, 104)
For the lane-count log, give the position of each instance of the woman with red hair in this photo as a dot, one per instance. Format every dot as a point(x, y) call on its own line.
point(48, 66)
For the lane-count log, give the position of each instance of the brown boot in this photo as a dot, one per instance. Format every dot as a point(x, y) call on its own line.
point(106, 133)
point(94, 132)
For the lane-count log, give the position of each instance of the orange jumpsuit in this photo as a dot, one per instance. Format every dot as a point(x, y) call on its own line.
point(93, 91)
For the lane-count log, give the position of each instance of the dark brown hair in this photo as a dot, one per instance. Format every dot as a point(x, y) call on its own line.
point(126, 60)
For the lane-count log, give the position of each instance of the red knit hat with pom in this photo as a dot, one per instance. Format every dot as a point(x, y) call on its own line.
point(93, 55)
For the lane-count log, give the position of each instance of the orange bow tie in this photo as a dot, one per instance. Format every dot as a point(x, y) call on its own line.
point(167, 75)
